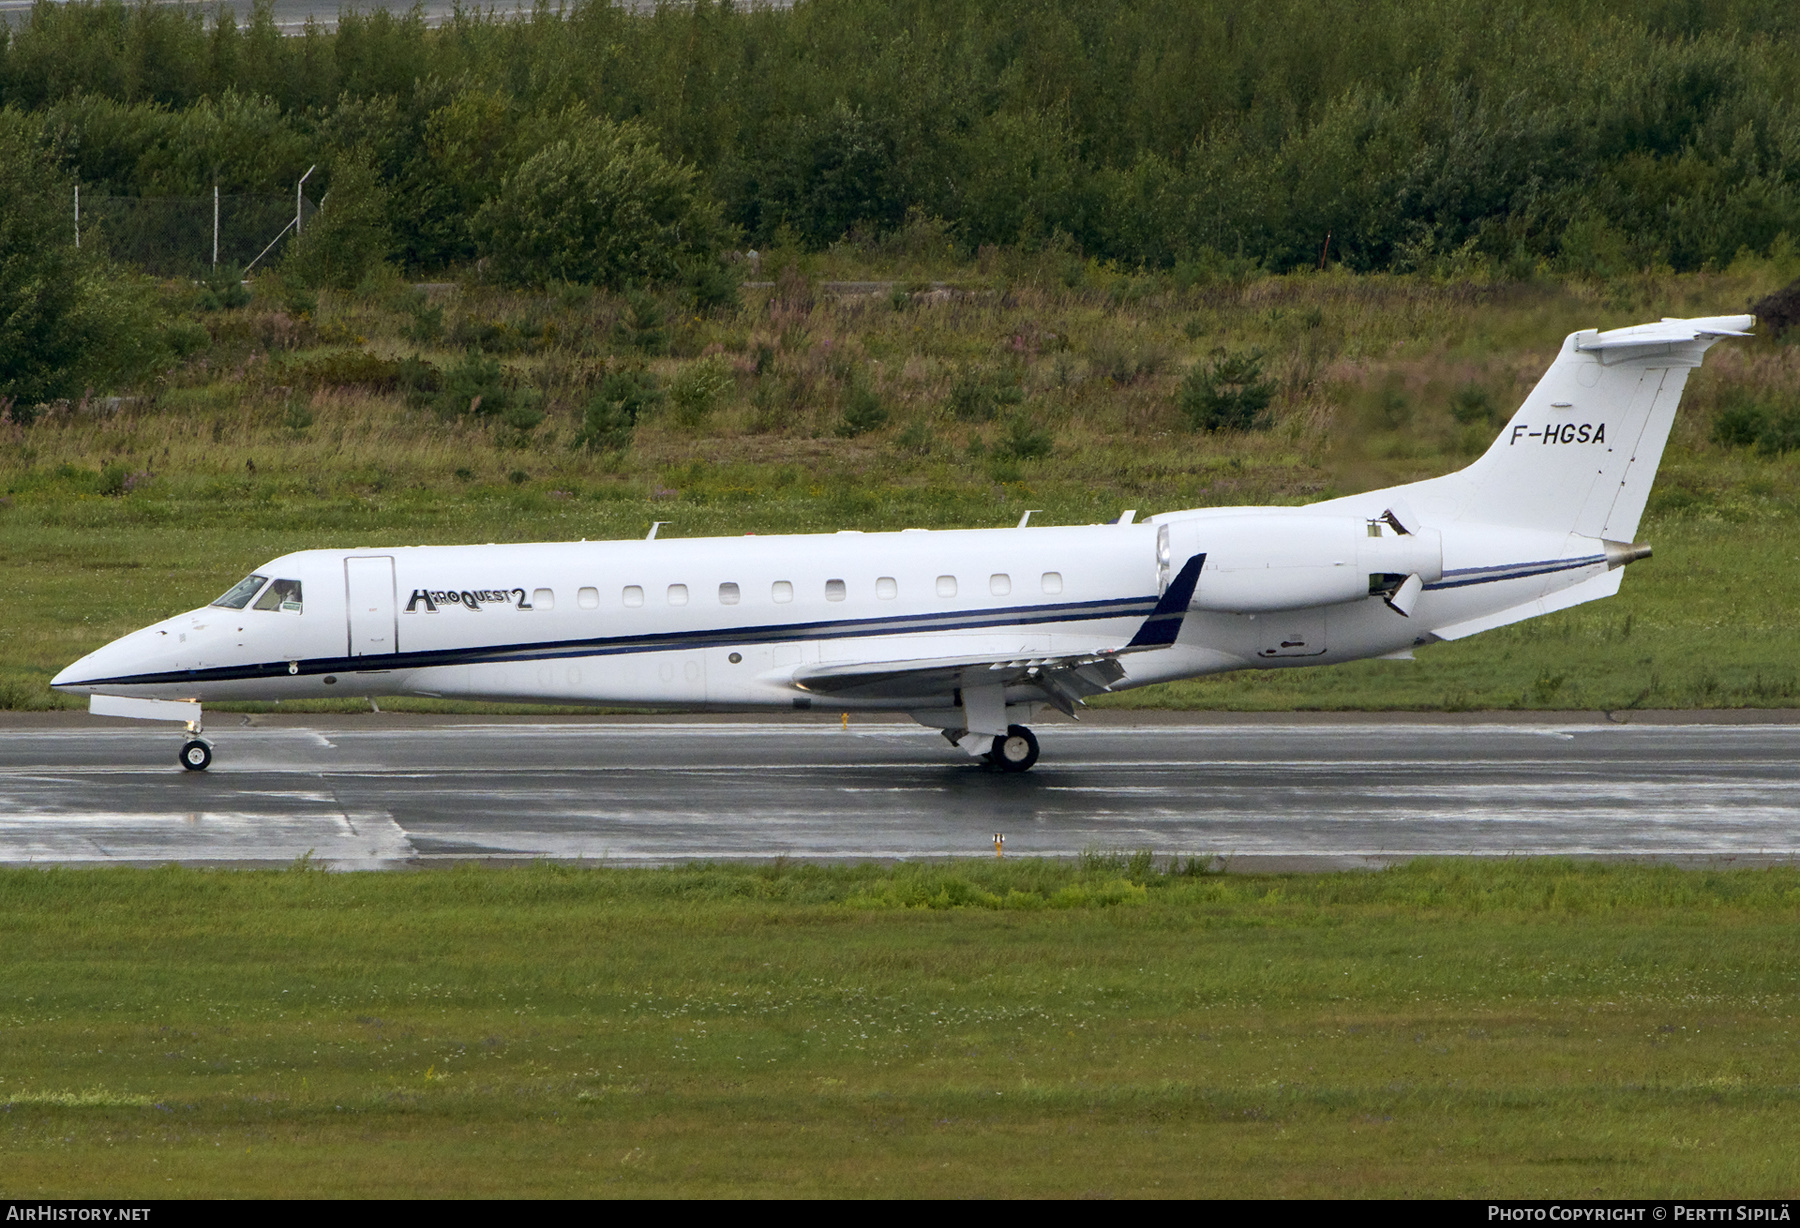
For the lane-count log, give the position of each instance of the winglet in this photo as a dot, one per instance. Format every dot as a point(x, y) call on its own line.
point(1164, 624)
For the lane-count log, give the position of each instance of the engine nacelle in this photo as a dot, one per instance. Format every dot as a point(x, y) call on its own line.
point(1261, 562)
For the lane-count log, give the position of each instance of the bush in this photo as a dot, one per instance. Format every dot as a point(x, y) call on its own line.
point(1227, 394)
point(68, 320)
point(348, 237)
point(611, 415)
point(223, 289)
point(477, 385)
point(1743, 423)
point(1739, 424)
point(601, 206)
point(978, 394)
point(1473, 405)
point(863, 412)
point(345, 369)
point(696, 389)
point(643, 326)
point(1024, 440)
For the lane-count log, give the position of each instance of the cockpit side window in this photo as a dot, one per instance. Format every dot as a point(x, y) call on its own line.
point(238, 596)
point(282, 595)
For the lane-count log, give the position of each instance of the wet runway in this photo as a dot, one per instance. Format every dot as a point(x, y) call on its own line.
point(389, 792)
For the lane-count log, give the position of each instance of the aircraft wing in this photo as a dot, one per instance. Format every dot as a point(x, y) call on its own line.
point(1066, 680)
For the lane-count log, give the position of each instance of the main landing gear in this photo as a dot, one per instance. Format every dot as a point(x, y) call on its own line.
point(196, 755)
point(1015, 750)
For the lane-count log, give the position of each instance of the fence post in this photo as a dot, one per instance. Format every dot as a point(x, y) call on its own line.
point(215, 225)
point(300, 197)
point(78, 217)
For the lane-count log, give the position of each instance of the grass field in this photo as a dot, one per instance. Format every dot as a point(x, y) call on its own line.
point(1122, 1026)
point(257, 444)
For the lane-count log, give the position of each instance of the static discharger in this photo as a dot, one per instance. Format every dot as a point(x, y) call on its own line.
point(999, 845)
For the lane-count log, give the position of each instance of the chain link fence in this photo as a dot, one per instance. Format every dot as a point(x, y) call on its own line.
point(186, 236)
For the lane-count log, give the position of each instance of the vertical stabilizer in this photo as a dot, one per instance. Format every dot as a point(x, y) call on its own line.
point(1581, 453)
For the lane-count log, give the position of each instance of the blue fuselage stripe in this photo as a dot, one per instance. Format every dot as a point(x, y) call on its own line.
point(904, 624)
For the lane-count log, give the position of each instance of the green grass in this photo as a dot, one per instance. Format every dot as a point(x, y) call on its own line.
point(1511, 1028)
point(108, 522)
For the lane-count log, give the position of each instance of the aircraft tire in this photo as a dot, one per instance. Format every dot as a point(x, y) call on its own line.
point(196, 756)
point(1016, 750)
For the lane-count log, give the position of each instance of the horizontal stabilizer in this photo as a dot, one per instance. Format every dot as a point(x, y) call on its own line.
point(1667, 331)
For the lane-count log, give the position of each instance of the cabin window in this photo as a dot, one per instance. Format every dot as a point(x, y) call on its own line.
point(587, 598)
point(946, 586)
point(1053, 582)
point(834, 590)
point(729, 594)
point(543, 599)
point(1000, 584)
point(239, 594)
point(633, 595)
point(782, 591)
point(886, 589)
point(282, 595)
point(677, 594)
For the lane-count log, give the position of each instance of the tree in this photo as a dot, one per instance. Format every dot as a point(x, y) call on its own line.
point(68, 320)
point(601, 206)
point(1227, 394)
point(348, 238)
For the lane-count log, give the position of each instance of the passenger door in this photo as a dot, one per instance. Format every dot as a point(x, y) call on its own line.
point(372, 606)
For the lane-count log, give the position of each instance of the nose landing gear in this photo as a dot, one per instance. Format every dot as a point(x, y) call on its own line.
point(196, 755)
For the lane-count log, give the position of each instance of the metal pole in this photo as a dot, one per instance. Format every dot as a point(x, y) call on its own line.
point(78, 217)
point(299, 197)
point(215, 225)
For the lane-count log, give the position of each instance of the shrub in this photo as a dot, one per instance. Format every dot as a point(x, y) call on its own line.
point(696, 389)
point(601, 206)
point(476, 385)
point(1781, 434)
point(979, 394)
point(1739, 424)
point(610, 416)
point(1743, 423)
point(863, 412)
point(710, 284)
point(344, 368)
point(1227, 394)
point(223, 289)
point(347, 239)
point(1024, 440)
point(68, 320)
point(643, 326)
point(1472, 405)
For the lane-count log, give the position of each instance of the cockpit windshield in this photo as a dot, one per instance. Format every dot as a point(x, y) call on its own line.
point(238, 596)
point(281, 595)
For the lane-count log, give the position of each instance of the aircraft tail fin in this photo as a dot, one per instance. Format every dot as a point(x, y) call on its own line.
point(1581, 453)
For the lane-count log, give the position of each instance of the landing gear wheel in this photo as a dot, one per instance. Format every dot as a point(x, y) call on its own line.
point(1016, 750)
point(196, 756)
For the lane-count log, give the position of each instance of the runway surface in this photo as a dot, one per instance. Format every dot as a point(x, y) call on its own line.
point(383, 792)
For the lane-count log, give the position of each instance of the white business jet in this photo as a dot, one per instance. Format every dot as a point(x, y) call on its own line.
point(969, 631)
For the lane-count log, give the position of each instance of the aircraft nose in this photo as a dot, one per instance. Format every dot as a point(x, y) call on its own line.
point(70, 678)
point(110, 661)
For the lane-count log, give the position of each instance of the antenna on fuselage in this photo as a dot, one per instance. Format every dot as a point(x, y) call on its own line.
point(654, 526)
point(1026, 518)
point(1127, 516)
